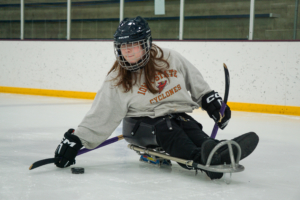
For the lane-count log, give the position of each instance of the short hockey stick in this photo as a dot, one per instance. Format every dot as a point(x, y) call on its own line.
point(222, 110)
point(81, 151)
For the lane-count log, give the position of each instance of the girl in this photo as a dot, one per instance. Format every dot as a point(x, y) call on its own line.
point(151, 89)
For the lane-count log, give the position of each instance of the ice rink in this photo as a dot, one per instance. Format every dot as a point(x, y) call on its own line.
point(31, 127)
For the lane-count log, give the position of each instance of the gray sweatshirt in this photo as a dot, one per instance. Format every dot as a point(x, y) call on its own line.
point(183, 92)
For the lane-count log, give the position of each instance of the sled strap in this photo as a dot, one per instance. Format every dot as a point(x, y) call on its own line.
point(136, 126)
point(169, 124)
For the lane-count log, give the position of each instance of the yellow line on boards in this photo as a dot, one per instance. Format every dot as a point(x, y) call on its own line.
point(246, 107)
point(45, 92)
point(264, 108)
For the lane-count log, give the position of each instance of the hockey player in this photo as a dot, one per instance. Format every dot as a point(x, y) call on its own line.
point(151, 89)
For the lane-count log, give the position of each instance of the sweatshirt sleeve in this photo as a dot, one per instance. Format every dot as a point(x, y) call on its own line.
point(103, 118)
point(194, 80)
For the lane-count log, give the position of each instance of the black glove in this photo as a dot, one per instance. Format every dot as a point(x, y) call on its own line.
point(67, 149)
point(212, 102)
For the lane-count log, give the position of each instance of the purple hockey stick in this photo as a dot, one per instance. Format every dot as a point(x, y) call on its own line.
point(222, 110)
point(81, 151)
point(106, 142)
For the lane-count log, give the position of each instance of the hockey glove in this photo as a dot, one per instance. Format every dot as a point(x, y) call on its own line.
point(212, 102)
point(67, 149)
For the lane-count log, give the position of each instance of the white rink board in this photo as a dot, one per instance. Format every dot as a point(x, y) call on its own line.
point(261, 72)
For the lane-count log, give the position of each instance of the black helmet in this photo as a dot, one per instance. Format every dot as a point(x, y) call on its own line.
point(133, 33)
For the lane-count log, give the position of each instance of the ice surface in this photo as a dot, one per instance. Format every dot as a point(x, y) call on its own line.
point(32, 126)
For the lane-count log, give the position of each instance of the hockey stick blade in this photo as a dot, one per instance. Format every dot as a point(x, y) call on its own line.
point(81, 151)
point(43, 162)
point(222, 110)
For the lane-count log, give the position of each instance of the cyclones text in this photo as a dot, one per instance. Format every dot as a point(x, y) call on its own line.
point(166, 94)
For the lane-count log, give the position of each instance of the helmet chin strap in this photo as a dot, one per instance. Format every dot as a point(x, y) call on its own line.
point(137, 69)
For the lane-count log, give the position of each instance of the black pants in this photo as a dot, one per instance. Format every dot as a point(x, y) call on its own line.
point(179, 135)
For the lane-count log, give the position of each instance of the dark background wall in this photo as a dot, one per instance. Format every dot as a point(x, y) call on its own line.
point(204, 19)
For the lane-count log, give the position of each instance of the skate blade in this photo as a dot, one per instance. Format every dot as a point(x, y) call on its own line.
point(155, 160)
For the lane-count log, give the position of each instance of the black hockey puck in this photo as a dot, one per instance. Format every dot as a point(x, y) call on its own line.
point(77, 170)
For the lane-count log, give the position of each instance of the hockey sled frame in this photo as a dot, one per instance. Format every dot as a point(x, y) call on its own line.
point(226, 168)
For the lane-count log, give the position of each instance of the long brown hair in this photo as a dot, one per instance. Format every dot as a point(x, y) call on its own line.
point(128, 79)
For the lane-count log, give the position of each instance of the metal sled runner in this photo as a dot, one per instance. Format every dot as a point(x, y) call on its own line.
point(226, 168)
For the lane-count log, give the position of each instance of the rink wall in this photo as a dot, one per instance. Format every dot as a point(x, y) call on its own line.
point(265, 76)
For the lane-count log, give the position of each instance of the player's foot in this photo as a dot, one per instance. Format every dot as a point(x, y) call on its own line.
point(247, 142)
point(206, 148)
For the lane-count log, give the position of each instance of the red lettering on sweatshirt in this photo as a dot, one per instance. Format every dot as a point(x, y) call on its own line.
point(166, 94)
